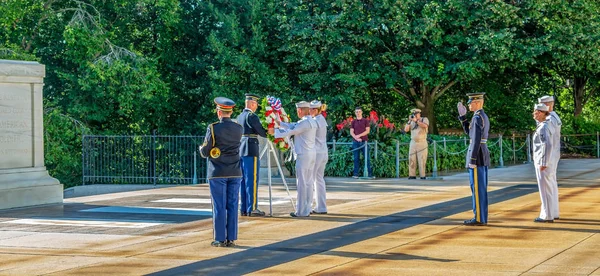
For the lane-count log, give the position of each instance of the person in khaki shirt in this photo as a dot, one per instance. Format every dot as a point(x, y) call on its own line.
point(417, 126)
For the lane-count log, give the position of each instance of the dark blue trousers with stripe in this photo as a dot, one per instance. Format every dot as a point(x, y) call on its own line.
point(224, 194)
point(249, 189)
point(479, 183)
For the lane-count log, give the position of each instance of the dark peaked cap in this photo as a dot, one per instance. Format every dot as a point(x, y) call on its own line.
point(252, 97)
point(475, 96)
point(224, 104)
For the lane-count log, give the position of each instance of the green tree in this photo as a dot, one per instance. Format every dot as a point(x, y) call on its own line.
point(563, 37)
point(244, 51)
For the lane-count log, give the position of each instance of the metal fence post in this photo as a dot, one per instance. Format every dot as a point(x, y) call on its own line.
point(195, 179)
point(367, 159)
point(333, 145)
point(397, 159)
point(598, 144)
point(528, 140)
point(83, 160)
point(376, 147)
point(154, 156)
point(435, 159)
point(514, 150)
point(501, 157)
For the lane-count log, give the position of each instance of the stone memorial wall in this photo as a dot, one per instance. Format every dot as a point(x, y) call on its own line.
point(24, 180)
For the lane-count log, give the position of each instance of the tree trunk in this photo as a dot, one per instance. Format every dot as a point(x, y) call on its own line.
point(579, 94)
point(424, 98)
point(427, 111)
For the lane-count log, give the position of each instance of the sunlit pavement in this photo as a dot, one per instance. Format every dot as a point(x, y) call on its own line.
point(373, 227)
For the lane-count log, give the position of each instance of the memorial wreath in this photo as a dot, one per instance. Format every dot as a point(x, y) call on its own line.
point(273, 111)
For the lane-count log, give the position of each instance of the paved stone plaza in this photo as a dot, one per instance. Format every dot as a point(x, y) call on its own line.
point(374, 227)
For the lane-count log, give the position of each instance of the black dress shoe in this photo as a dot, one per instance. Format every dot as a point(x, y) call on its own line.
point(556, 218)
point(218, 244)
point(412, 177)
point(543, 220)
point(473, 222)
point(229, 243)
point(292, 214)
point(244, 214)
point(318, 213)
point(423, 177)
point(256, 213)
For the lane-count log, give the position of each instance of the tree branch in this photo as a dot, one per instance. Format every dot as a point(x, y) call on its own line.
point(401, 93)
point(589, 96)
point(441, 91)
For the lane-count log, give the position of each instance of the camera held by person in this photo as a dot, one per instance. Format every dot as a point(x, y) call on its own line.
point(418, 127)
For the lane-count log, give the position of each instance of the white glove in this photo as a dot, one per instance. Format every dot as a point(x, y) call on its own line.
point(462, 110)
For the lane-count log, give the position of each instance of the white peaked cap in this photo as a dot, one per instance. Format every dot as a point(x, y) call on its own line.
point(315, 104)
point(546, 99)
point(541, 107)
point(302, 104)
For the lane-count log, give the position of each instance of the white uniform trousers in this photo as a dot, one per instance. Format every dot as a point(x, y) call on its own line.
point(544, 180)
point(554, 186)
point(305, 177)
point(417, 154)
point(320, 190)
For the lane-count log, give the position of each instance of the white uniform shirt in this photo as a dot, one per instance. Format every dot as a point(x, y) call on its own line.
point(304, 132)
point(542, 145)
point(321, 138)
point(555, 125)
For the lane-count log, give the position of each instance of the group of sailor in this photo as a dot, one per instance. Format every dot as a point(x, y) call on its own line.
point(233, 168)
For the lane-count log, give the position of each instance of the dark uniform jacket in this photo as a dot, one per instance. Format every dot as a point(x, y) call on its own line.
point(224, 135)
point(478, 153)
point(252, 129)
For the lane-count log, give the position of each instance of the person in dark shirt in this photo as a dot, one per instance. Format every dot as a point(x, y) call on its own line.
point(359, 129)
point(222, 148)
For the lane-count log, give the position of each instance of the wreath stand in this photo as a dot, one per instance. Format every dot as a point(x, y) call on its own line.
point(271, 148)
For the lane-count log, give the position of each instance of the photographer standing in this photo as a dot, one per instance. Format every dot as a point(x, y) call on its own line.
point(417, 126)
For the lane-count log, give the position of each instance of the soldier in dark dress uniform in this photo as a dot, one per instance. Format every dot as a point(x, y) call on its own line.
point(478, 156)
point(249, 151)
point(221, 146)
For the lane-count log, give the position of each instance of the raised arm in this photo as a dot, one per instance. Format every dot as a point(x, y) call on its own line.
point(298, 128)
point(546, 146)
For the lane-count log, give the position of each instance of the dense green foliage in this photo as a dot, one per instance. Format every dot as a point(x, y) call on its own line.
point(135, 66)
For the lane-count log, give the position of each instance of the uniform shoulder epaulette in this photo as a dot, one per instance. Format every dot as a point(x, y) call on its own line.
point(215, 123)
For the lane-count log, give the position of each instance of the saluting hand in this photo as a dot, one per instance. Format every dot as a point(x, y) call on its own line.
point(462, 110)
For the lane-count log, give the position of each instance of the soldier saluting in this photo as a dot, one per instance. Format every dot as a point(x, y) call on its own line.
point(478, 156)
point(221, 145)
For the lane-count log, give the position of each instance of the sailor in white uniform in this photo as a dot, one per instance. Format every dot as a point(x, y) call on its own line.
point(304, 132)
point(542, 161)
point(555, 128)
point(316, 109)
